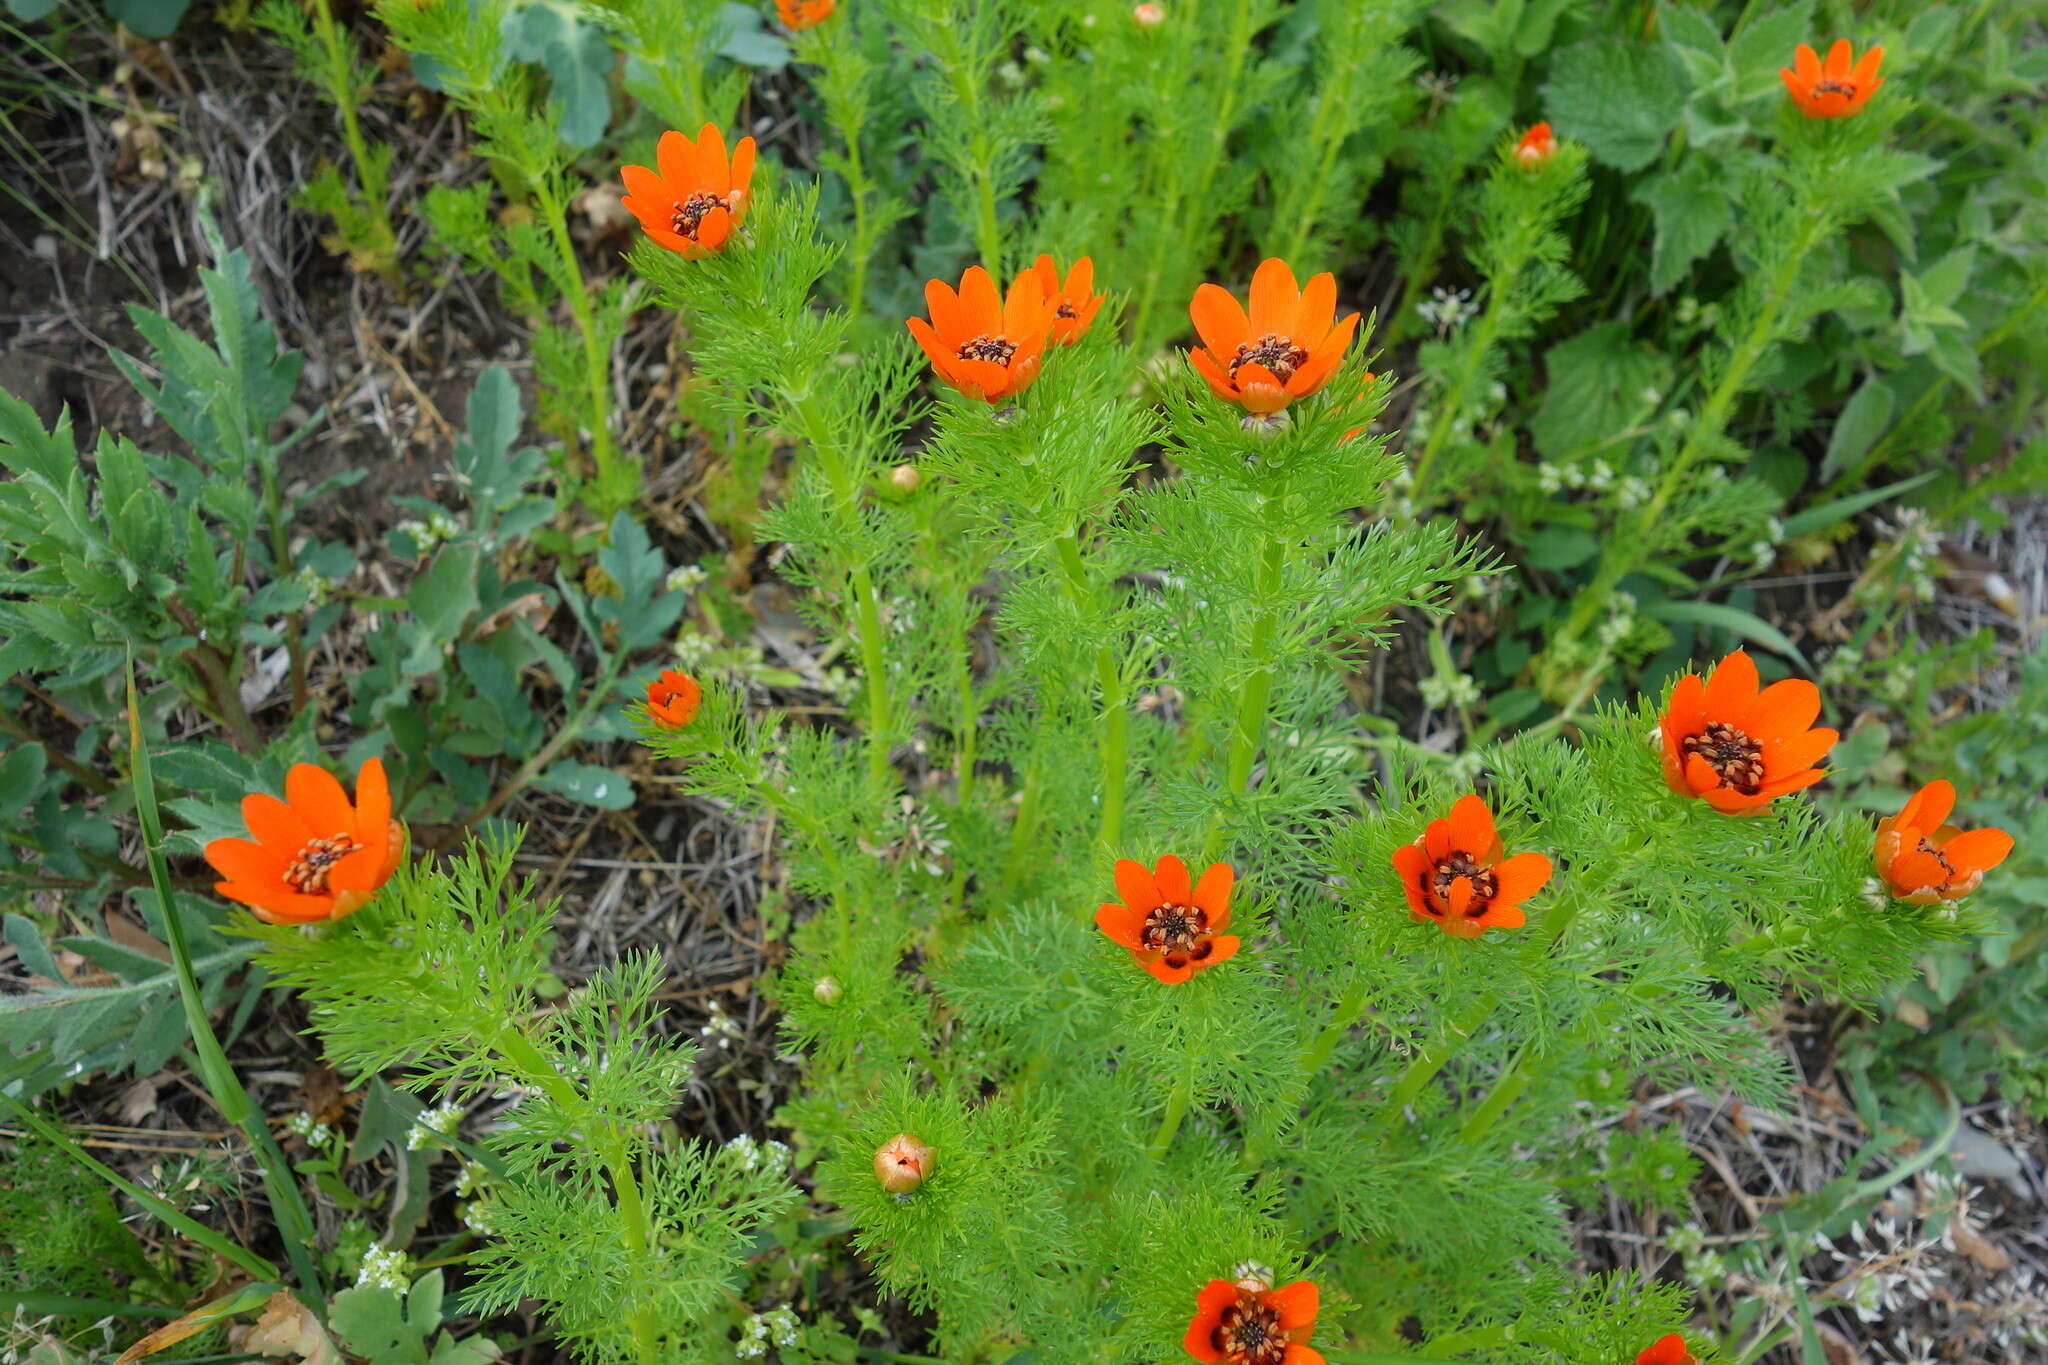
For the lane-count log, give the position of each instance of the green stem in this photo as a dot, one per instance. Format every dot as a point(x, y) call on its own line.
point(872, 663)
point(540, 1071)
point(1348, 1010)
point(1454, 398)
point(616, 483)
point(1024, 829)
point(1113, 740)
point(1176, 1110)
point(1505, 1092)
point(1250, 726)
point(288, 1206)
point(80, 773)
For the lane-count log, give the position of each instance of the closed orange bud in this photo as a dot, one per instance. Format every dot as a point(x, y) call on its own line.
point(903, 1163)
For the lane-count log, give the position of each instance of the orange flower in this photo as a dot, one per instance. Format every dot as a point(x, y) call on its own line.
point(1172, 931)
point(314, 856)
point(1926, 859)
point(802, 14)
point(693, 202)
point(1075, 303)
point(1737, 747)
point(1536, 146)
point(1241, 1322)
point(673, 699)
point(1834, 90)
point(1458, 875)
point(1667, 1350)
point(1286, 349)
point(984, 346)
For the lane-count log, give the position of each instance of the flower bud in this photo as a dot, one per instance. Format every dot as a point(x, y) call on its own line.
point(1148, 16)
point(827, 990)
point(902, 1163)
point(905, 478)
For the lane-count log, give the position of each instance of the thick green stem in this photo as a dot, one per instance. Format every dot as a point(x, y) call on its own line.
point(1176, 1110)
point(1112, 742)
point(616, 483)
point(1024, 829)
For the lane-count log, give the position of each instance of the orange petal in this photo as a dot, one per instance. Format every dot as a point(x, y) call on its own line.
point(1124, 925)
point(1171, 874)
point(1837, 66)
point(1311, 320)
point(275, 824)
point(1794, 781)
point(1471, 826)
point(1930, 807)
point(1728, 801)
point(1275, 298)
point(1222, 948)
point(1460, 926)
point(1027, 309)
point(1460, 895)
point(714, 168)
point(320, 801)
point(1081, 278)
point(1686, 714)
point(1297, 1304)
point(1134, 882)
point(1865, 75)
point(742, 177)
point(1172, 976)
point(1731, 687)
point(1260, 390)
point(362, 870)
point(373, 802)
point(1521, 877)
point(274, 905)
point(1978, 850)
point(926, 338)
point(1216, 1296)
point(1220, 321)
point(1699, 776)
point(981, 308)
point(1780, 710)
point(1218, 379)
point(1915, 871)
point(1783, 757)
point(1298, 1354)
point(1807, 62)
point(239, 860)
point(1499, 916)
point(1212, 893)
point(676, 157)
point(643, 183)
point(714, 227)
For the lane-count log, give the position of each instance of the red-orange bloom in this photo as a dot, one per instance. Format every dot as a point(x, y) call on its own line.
point(1536, 146)
point(1074, 302)
point(986, 347)
point(1925, 859)
point(1739, 748)
point(1458, 874)
point(1172, 930)
point(673, 699)
point(1835, 90)
point(802, 14)
point(1241, 1322)
point(1285, 349)
point(1667, 1350)
point(314, 855)
point(696, 198)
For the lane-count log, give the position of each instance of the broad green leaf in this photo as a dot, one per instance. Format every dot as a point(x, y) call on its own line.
point(445, 595)
point(1597, 384)
point(1618, 98)
point(1863, 419)
point(1841, 509)
point(589, 784)
point(1692, 209)
point(1746, 624)
point(1559, 547)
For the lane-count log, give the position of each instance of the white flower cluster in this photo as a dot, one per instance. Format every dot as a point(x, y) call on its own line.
point(470, 1179)
point(384, 1268)
point(777, 1325)
point(693, 648)
point(1449, 689)
point(1445, 309)
point(438, 526)
point(436, 1123)
point(721, 1028)
point(315, 1133)
point(686, 578)
point(754, 1155)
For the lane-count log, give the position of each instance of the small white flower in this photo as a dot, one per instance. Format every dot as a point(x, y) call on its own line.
point(384, 1268)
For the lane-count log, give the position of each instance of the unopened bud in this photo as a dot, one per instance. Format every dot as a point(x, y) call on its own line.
point(1148, 16)
point(903, 1163)
point(1252, 1276)
point(827, 990)
point(905, 478)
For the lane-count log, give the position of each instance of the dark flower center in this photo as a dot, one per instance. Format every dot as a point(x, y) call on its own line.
point(1249, 1334)
point(691, 212)
point(1733, 755)
point(308, 872)
point(1179, 932)
point(1485, 886)
point(1846, 89)
point(1279, 355)
point(986, 347)
point(1948, 869)
point(1065, 310)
